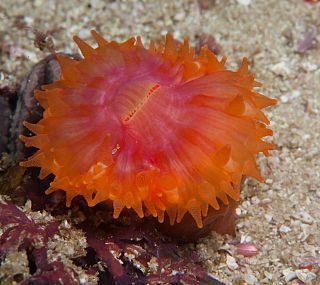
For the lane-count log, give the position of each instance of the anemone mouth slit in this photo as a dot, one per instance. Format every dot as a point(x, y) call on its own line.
point(141, 103)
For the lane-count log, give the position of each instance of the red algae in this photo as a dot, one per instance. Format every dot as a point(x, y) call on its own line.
point(159, 129)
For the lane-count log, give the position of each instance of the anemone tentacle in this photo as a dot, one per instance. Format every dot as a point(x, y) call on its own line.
point(159, 129)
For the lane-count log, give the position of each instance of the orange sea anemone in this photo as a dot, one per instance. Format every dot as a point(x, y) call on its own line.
point(158, 129)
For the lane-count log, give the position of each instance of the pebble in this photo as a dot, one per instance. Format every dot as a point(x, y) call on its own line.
point(246, 204)
point(28, 206)
point(66, 224)
point(245, 239)
point(281, 68)
point(284, 98)
point(305, 275)
point(255, 200)
point(284, 229)
point(38, 3)
point(177, 34)
point(303, 217)
point(180, 16)
point(97, 4)
point(266, 201)
point(28, 20)
point(244, 2)
point(84, 34)
point(240, 225)
point(268, 217)
point(269, 181)
point(289, 275)
point(30, 55)
point(232, 263)
point(83, 280)
point(250, 279)
point(268, 275)
point(306, 137)
point(295, 94)
point(309, 66)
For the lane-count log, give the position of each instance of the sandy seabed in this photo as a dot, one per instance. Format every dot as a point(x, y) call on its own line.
point(281, 216)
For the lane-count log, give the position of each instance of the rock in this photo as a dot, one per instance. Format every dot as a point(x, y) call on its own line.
point(5, 114)
point(27, 108)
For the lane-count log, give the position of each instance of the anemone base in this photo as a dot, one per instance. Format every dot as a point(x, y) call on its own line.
point(221, 221)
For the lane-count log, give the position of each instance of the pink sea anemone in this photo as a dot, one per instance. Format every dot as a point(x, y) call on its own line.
point(158, 129)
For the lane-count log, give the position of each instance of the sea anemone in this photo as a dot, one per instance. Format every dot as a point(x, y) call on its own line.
point(158, 129)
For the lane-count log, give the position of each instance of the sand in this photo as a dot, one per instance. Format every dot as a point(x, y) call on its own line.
point(279, 217)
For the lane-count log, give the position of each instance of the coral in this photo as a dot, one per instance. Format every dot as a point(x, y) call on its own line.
point(158, 130)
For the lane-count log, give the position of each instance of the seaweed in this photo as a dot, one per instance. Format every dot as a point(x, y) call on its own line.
point(135, 253)
point(20, 232)
point(23, 234)
point(138, 254)
point(48, 272)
